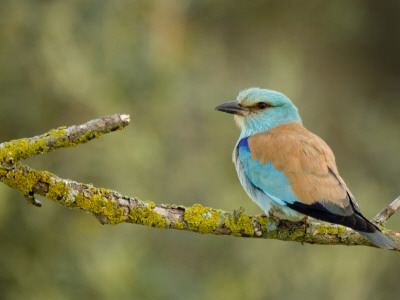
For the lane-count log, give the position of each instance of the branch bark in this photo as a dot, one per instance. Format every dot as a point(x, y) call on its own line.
point(387, 212)
point(110, 207)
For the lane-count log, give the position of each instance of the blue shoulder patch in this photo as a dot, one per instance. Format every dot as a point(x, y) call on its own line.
point(244, 144)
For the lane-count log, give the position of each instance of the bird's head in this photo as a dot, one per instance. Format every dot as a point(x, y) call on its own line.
point(257, 110)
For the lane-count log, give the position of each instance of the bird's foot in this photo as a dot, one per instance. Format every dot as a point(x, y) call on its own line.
point(262, 215)
point(271, 215)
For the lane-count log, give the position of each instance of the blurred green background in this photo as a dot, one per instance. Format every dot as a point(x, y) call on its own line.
point(168, 64)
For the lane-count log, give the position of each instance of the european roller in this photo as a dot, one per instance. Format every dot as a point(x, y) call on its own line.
point(288, 170)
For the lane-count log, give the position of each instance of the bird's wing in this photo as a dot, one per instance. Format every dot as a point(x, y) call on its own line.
point(297, 168)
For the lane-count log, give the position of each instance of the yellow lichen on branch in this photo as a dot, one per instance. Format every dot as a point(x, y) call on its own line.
point(202, 219)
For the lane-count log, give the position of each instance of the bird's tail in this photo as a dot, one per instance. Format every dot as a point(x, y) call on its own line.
point(379, 239)
point(371, 232)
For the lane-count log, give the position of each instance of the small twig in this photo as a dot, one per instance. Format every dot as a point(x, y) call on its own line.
point(387, 212)
point(30, 198)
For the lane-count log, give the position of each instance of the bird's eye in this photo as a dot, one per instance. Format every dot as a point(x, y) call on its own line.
point(262, 105)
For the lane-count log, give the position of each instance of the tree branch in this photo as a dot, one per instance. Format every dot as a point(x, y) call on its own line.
point(387, 212)
point(110, 207)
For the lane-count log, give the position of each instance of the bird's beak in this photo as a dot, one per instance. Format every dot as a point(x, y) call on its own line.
point(232, 107)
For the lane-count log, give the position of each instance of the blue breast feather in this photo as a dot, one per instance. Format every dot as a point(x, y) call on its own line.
point(265, 177)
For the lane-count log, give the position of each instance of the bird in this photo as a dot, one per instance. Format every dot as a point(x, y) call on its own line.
point(288, 170)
